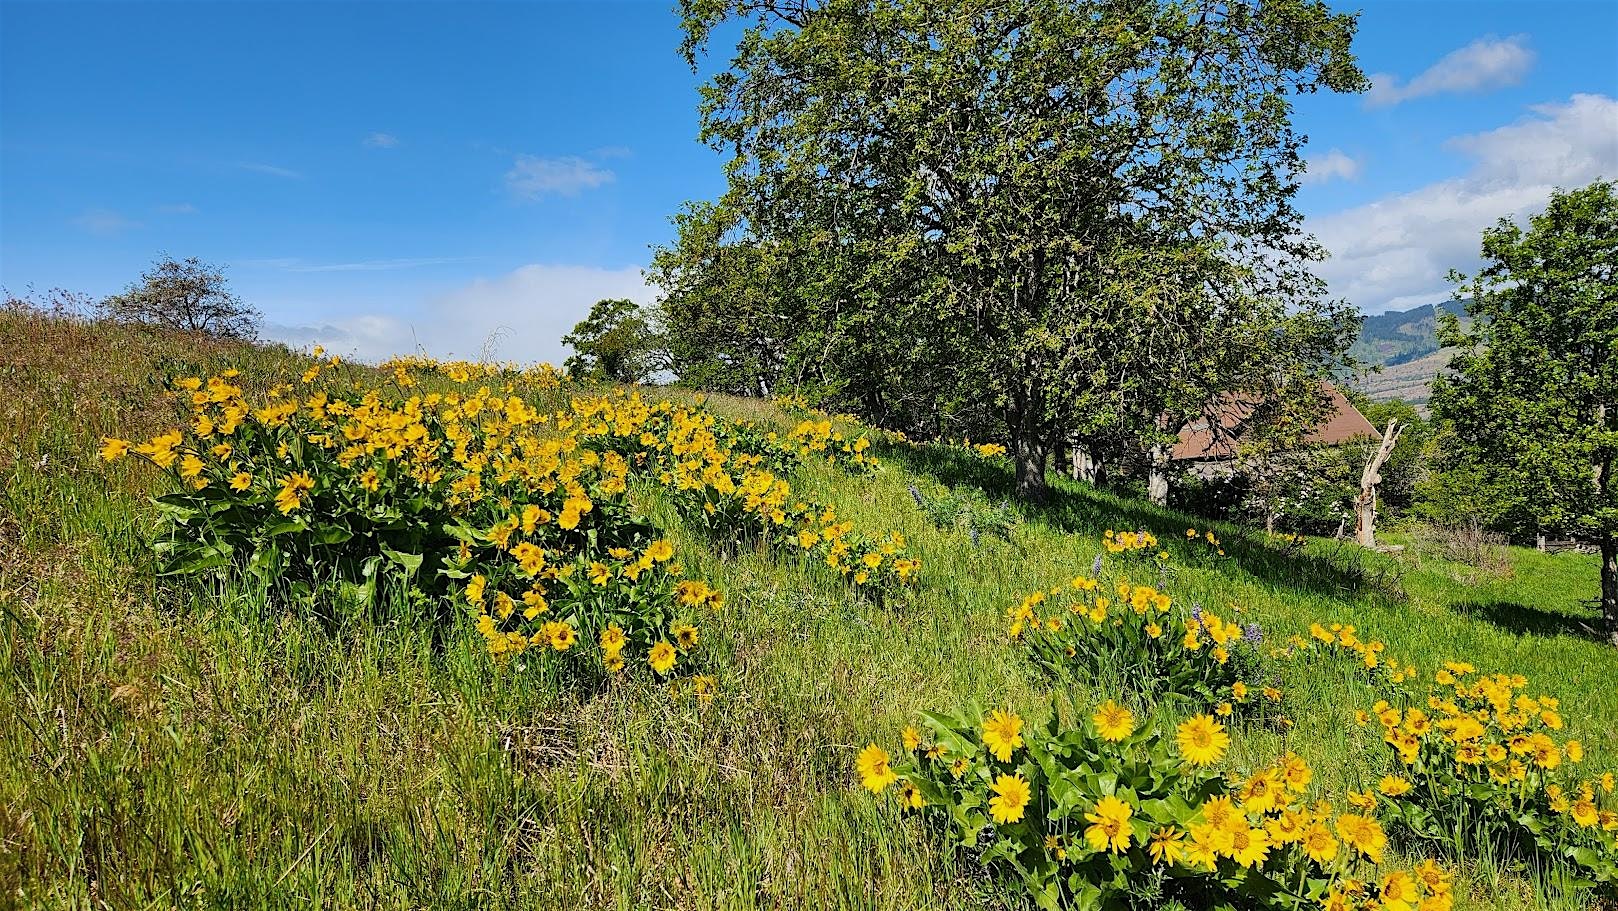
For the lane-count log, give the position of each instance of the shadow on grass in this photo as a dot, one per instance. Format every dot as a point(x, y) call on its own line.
point(1524, 620)
point(1077, 508)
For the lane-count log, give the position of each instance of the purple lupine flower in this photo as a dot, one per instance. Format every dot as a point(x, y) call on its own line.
point(1196, 612)
point(1253, 634)
point(972, 532)
point(915, 494)
point(1095, 568)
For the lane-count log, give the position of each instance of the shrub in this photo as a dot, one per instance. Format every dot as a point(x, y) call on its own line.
point(967, 509)
point(1483, 767)
point(1132, 636)
point(715, 474)
point(481, 497)
point(1111, 813)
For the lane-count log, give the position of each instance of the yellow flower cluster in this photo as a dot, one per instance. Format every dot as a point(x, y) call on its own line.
point(1090, 631)
point(1343, 639)
point(1207, 537)
point(1149, 803)
point(1425, 887)
point(699, 458)
point(1131, 542)
point(1480, 760)
point(820, 438)
point(477, 492)
point(537, 378)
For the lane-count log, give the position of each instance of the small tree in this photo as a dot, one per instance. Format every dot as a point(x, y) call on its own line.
point(188, 295)
point(1533, 394)
point(616, 342)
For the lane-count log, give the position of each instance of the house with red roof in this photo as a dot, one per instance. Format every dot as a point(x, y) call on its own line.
point(1208, 448)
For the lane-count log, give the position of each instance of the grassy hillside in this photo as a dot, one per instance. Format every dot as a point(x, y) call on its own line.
point(1401, 336)
point(1404, 344)
point(175, 744)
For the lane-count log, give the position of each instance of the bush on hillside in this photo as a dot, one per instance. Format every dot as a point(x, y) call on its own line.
point(1109, 812)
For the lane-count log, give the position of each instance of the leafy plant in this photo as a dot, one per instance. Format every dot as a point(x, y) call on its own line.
point(1111, 813)
point(1133, 638)
point(967, 509)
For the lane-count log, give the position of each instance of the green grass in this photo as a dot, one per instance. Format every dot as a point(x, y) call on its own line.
point(186, 746)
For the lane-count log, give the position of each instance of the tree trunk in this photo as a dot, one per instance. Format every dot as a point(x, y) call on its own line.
point(1157, 477)
point(1365, 503)
point(1030, 447)
point(1609, 586)
point(1086, 467)
point(1609, 541)
point(1028, 453)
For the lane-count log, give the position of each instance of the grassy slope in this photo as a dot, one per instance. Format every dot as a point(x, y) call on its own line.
point(176, 746)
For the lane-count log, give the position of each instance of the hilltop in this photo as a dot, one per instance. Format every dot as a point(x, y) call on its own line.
point(1404, 343)
point(212, 743)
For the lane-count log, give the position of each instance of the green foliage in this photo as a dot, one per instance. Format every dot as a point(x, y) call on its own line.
point(945, 220)
point(969, 511)
point(1533, 392)
point(1132, 639)
point(615, 343)
point(1109, 813)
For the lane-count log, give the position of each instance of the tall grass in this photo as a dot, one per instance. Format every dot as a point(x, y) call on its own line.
point(184, 745)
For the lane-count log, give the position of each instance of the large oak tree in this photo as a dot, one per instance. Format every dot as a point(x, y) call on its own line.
point(1059, 215)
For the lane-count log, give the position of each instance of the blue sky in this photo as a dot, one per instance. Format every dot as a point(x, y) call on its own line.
point(380, 176)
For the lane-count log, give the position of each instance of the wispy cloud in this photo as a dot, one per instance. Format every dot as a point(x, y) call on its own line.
point(614, 152)
point(1396, 251)
point(104, 222)
point(179, 208)
point(381, 141)
point(1332, 165)
point(270, 169)
point(1486, 63)
point(294, 264)
point(531, 177)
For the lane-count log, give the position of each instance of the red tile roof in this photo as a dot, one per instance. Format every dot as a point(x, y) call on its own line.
point(1197, 441)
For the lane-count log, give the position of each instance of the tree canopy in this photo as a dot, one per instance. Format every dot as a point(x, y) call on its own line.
point(1532, 395)
point(1019, 218)
point(616, 342)
point(188, 295)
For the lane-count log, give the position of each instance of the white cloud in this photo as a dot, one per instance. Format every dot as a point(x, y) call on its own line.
point(1332, 164)
point(1397, 251)
point(105, 222)
point(180, 208)
point(270, 169)
point(1486, 63)
point(531, 177)
point(381, 141)
point(520, 316)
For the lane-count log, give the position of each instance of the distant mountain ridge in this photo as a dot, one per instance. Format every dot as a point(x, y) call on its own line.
point(1405, 344)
